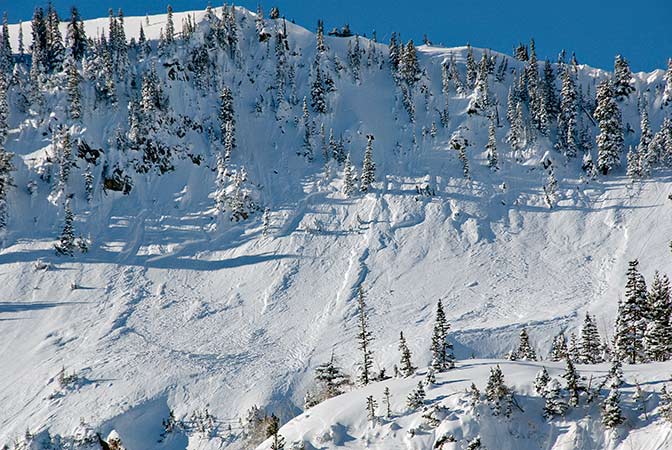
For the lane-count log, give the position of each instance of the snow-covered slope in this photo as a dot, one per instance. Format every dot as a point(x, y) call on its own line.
point(175, 308)
point(342, 422)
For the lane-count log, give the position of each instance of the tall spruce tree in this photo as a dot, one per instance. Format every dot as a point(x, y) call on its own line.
point(442, 351)
point(498, 394)
point(75, 38)
point(491, 146)
point(406, 363)
point(349, 177)
point(658, 333)
point(331, 378)
point(622, 78)
point(589, 352)
point(525, 351)
point(558, 348)
point(66, 242)
point(612, 415)
point(610, 139)
point(631, 318)
point(6, 183)
point(368, 166)
point(364, 340)
point(572, 379)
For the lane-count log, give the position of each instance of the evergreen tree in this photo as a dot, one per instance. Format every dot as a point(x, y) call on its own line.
point(393, 52)
point(65, 159)
point(631, 318)
point(611, 409)
point(551, 188)
point(74, 99)
point(227, 118)
point(568, 114)
point(75, 38)
point(474, 395)
point(321, 48)
point(472, 70)
point(364, 339)
point(55, 48)
point(4, 109)
point(549, 91)
point(266, 222)
point(648, 156)
point(667, 93)
point(88, 184)
point(416, 398)
point(491, 146)
point(610, 139)
point(553, 403)
point(658, 334)
point(409, 70)
point(589, 352)
point(39, 55)
point(6, 182)
point(498, 394)
point(368, 166)
point(665, 406)
point(442, 351)
point(406, 364)
point(317, 94)
point(170, 27)
point(541, 380)
point(634, 164)
point(525, 351)
point(558, 348)
point(572, 379)
point(66, 243)
point(622, 78)
point(6, 62)
point(388, 405)
point(349, 177)
point(371, 406)
point(573, 349)
point(331, 378)
point(278, 442)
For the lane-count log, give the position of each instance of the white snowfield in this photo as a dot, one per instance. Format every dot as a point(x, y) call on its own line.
point(342, 422)
point(171, 312)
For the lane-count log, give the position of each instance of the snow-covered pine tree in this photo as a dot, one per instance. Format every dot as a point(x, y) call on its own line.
point(319, 37)
point(406, 363)
point(648, 156)
point(317, 94)
point(610, 139)
point(74, 98)
point(525, 351)
point(554, 405)
point(558, 348)
point(66, 242)
point(573, 348)
point(572, 379)
point(371, 406)
point(658, 334)
point(498, 394)
point(665, 406)
point(38, 48)
point(480, 102)
point(634, 164)
point(221, 183)
point(549, 91)
point(409, 69)
point(472, 69)
point(516, 135)
point(551, 188)
point(75, 38)
point(368, 166)
point(266, 222)
point(474, 395)
point(491, 146)
point(65, 161)
point(612, 415)
point(88, 184)
point(393, 52)
point(349, 177)
point(364, 339)
point(331, 378)
point(568, 112)
point(388, 405)
point(416, 398)
point(631, 318)
point(55, 47)
point(6, 60)
point(442, 351)
point(278, 442)
point(541, 380)
point(6, 183)
point(667, 93)
point(622, 78)
point(474, 444)
point(227, 115)
point(589, 351)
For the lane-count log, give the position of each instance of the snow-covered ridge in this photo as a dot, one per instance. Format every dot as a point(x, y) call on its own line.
point(178, 307)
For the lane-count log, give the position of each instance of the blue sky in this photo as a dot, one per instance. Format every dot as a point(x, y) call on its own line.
point(595, 29)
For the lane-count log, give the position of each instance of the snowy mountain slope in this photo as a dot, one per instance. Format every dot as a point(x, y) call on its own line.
point(342, 422)
point(173, 312)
